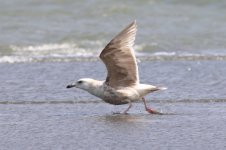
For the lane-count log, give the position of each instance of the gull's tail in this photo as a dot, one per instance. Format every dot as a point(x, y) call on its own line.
point(162, 88)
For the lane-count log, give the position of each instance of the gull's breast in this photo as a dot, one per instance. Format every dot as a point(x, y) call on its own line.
point(121, 95)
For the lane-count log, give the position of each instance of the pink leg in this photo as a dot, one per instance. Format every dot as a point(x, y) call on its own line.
point(130, 105)
point(151, 111)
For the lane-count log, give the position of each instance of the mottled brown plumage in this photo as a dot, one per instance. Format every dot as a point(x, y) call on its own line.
point(120, 60)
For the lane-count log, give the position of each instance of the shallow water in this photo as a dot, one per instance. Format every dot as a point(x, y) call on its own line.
point(38, 112)
point(92, 126)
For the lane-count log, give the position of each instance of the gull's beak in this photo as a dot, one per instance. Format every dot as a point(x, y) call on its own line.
point(71, 85)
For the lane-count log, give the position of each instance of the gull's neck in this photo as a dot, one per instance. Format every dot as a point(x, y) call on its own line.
point(95, 87)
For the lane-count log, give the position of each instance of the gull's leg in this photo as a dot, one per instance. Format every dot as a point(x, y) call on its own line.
point(151, 111)
point(130, 105)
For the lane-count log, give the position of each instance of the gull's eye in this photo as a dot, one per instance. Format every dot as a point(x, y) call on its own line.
point(80, 82)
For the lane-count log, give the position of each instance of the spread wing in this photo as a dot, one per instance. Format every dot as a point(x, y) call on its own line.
point(120, 60)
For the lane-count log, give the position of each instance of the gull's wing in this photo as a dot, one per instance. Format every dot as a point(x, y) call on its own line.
point(120, 60)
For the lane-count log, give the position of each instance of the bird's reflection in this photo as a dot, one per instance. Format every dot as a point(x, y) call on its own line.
point(131, 118)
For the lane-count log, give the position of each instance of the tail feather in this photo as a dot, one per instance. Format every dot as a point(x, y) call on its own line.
point(153, 89)
point(162, 88)
point(144, 89)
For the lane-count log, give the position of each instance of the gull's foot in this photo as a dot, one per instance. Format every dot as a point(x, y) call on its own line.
point(151, 111)
point(116, 113)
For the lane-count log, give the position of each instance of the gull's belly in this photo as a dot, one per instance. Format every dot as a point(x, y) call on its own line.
point(122, 96)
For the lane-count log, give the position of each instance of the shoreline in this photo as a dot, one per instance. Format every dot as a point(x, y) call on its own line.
point(189, 57)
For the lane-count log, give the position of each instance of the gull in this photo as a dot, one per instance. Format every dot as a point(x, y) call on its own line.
point(122, 85)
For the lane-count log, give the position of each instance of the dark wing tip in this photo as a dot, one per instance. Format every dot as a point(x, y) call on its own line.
point(134, 22)
point(131, 25)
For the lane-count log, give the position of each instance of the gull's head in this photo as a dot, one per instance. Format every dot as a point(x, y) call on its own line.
point(84, 84)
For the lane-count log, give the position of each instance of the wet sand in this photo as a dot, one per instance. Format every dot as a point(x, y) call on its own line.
point(93, 126)
point(38, 112)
